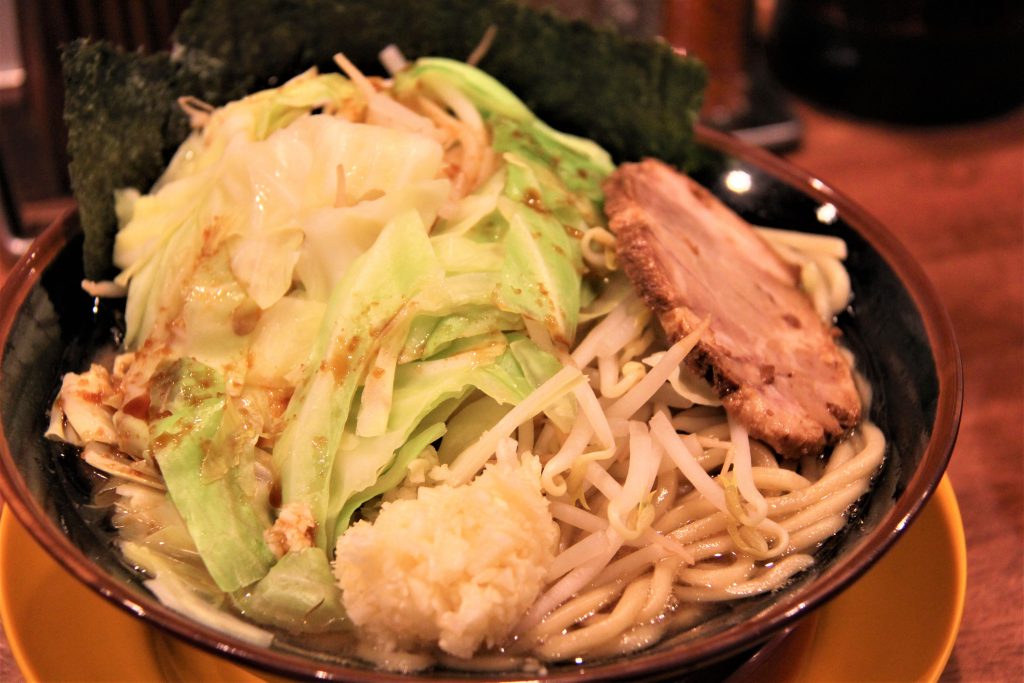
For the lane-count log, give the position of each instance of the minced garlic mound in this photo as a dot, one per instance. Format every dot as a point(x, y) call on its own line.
point(456, 566)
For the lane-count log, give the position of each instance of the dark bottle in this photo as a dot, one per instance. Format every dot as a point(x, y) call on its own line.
point(908, 61)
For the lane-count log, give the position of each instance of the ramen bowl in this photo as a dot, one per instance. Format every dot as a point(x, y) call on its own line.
point(895, 326)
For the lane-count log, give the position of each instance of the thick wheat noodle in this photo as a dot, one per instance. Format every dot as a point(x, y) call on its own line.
point(647, 634)
point(694, 423)
point(706, 524)
point(686, 615)
point(715, 435)
point(631, 565)
point(707, 547)
point(837, 280)
point(636, 638)
point(859, 467)
point(596, 622)
point(806, 243)
point(834, 504)
point(769, 528)
point(813, 534)
point(766, 581)
point(841, 454)
point(692, 507)
point(602, 258)
point(712, 458)
point(701, 544)
point(778, 479)
point(579, 641)
point(660, 589)
point(719, 575)
point(574, 611)
point(665, 542)
point(761, 456)
point(567, 586)
point(743, 476)
point(814, 282)
point(639, 555)
point(659, 592)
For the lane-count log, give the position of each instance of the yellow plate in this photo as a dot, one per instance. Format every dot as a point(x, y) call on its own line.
point(899, 622)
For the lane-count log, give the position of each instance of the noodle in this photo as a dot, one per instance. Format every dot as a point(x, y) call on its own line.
point(635, 595)
point(765, 582)
point(578, 641)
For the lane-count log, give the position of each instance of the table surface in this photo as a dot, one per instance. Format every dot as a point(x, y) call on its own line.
point(954, 195)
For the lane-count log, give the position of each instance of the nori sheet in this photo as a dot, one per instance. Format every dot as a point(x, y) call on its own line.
point(636, 98)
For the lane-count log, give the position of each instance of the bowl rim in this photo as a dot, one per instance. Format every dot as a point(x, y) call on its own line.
point(948, 368)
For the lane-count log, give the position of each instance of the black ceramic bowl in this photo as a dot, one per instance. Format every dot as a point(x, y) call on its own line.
point(900, 333)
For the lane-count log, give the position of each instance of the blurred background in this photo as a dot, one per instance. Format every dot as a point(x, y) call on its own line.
point(912, 61)
point(33, 161)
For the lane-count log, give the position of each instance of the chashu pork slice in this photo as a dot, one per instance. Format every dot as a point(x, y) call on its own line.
point(766, 352)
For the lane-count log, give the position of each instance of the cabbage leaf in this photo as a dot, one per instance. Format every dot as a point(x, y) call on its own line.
point(397, 277)
point(298, 594)
point(219, 513)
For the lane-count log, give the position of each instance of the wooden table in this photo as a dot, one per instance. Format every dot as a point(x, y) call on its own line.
point(955, 197)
